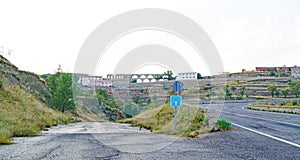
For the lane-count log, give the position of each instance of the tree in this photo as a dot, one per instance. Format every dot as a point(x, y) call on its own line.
point(282, 74)
point(164, 87)
point(242, 91)
point(243, 70)
point(285, 92)
point(295, 87)
point(199, 76)
point(148, 100)
point(233, 88)
point(158, 77)
point(272, 73)
point(60, 85)
point(209, 94)
point(227, 92)
point(130, 110)
point(273, 89)
point(1, 84)
point(134, 81)
point(277, 93)
point(110, 105)
point(136, 99)
point(169, 74)
point(102, 96)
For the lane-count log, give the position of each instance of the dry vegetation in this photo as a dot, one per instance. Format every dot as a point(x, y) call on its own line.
point(23, 115)
point(191, 121)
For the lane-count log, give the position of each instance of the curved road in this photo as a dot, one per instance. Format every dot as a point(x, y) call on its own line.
point(279, 125)
point(259, 135)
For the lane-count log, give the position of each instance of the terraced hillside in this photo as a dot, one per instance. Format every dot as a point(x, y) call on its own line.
point(205, 90)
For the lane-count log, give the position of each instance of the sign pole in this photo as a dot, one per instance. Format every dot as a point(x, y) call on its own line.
point(174, 120)
point(175, 112)
point(177, 87)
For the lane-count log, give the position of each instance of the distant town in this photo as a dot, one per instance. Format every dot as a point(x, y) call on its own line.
point(96, 82)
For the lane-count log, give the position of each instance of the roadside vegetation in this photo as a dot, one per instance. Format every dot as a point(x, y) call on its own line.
point(292, 90)
point(223, 125)
point(191, 121)
point(23, 115)
point(292, 107)
point(115, 109)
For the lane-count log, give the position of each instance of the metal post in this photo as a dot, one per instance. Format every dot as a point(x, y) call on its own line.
point(175, 112)
point(174, 120)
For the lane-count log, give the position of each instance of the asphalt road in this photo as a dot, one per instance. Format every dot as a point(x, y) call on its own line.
point(255, 138)
point(279, 125)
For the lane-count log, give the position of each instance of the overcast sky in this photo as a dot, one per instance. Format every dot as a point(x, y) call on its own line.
point(248, 33)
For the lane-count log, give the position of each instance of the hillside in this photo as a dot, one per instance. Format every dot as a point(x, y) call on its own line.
point(247, 88)
point(30, 82)
point(22, 103)
point(205, 90)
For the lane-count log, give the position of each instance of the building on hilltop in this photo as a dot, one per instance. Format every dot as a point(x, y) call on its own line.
point(274, 71)
point(295, 72)
point(94, 82)
point(187, 76)
point(278, 69)
point(261, 69)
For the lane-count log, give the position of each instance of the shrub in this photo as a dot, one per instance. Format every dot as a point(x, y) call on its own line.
point(1, 84)
point(223, 124)
point(239, 97)
point(295, 103)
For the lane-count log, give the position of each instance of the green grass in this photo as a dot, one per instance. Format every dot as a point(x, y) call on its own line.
point(223, 125)
point(23, 115)
point(191, 121)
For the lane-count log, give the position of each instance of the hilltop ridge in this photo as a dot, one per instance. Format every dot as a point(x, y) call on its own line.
point(26, 80)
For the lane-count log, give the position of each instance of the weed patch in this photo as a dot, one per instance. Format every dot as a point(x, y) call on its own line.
point(223, 125)
point(191, 121)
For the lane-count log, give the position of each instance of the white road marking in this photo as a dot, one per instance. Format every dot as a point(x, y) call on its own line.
point(267, 135)
point(263, 119)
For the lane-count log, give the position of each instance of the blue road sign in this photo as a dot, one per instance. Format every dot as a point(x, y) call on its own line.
point(177, 86)
point(175, 101)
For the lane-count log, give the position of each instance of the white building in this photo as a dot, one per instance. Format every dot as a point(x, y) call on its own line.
point(94, 81)
point(295, 72)
point(187, 76)
point(103, 83)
